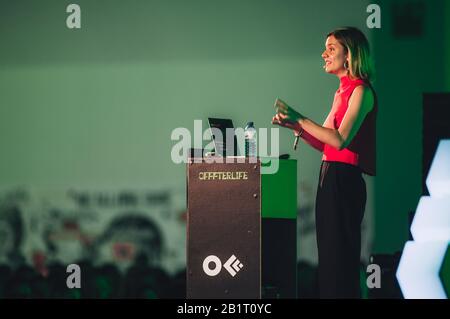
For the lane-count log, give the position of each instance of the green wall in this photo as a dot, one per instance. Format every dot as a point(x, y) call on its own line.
point(97, 105)
point(406, 68)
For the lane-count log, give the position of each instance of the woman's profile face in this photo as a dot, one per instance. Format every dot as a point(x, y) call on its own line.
point(334, 57)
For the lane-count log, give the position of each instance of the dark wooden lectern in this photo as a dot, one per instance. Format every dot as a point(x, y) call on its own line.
point(241, 230)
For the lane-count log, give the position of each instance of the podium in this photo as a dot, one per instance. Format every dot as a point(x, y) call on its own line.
point(241, 230)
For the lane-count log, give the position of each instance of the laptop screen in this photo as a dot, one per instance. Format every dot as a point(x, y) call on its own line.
point(220, 144)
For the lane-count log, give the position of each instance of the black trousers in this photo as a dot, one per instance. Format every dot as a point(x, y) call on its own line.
point(340, 204)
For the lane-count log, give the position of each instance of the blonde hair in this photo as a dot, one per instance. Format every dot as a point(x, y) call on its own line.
point(355, 43)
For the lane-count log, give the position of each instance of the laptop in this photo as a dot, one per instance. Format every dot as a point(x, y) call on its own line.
point(220, 145)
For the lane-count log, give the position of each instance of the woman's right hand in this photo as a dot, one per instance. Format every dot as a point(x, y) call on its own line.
point(278, 120)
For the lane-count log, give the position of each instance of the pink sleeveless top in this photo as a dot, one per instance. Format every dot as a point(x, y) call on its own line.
point(361, 151)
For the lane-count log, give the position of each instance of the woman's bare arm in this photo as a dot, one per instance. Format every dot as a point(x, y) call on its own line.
point(360, 103)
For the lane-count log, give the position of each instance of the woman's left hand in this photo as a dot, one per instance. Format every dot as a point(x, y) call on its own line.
point(286, 112)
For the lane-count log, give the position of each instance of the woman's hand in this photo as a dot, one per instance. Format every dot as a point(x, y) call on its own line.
point(287, 113)
point(278, 120)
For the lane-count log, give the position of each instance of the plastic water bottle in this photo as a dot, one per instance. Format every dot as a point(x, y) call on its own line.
point(250, 140)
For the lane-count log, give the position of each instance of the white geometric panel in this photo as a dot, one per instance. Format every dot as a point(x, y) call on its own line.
point(418, 270)
point(432, 219)
point(438, 179)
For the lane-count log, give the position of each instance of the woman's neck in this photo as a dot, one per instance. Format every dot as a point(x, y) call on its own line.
point(342, 73)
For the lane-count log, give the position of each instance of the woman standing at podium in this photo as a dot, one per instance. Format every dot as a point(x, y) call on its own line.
point(347, 141)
